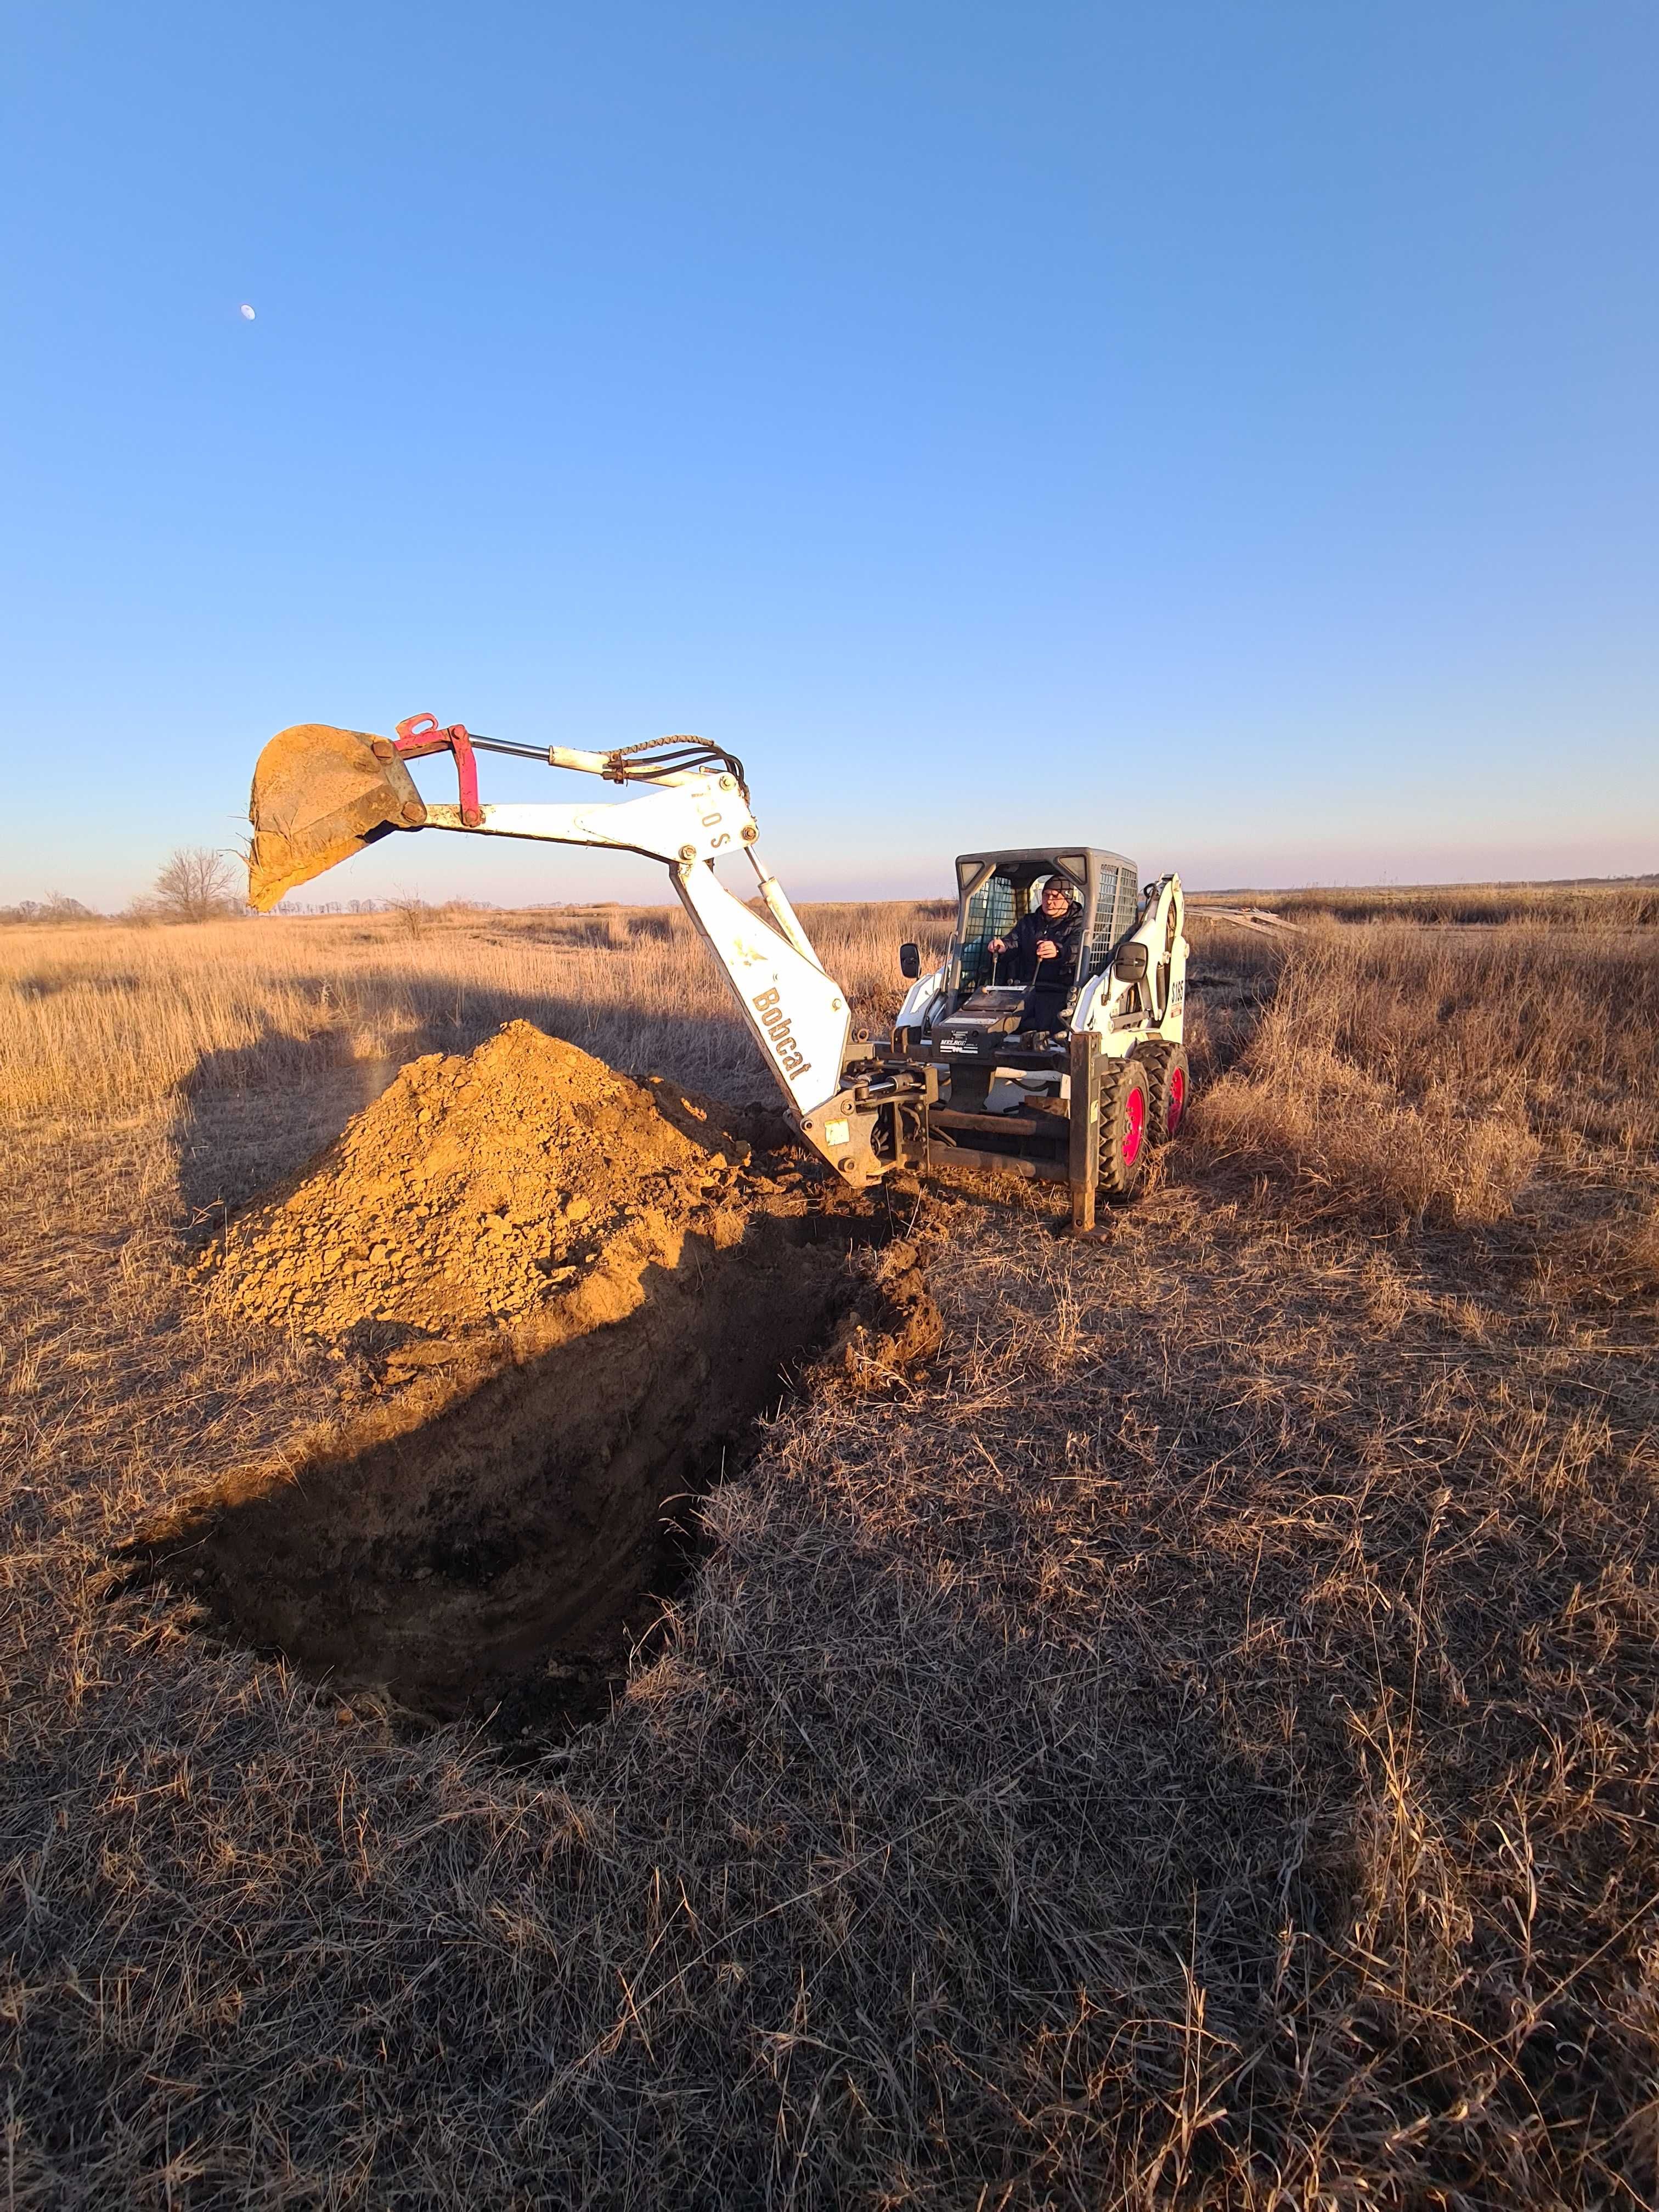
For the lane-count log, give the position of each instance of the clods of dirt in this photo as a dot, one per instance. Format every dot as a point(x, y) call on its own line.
point(491, 1527)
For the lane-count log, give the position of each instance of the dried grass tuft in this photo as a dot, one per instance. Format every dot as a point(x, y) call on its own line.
point(1402, 1078)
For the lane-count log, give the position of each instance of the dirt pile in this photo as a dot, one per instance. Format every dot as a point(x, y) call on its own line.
point(472, 1189)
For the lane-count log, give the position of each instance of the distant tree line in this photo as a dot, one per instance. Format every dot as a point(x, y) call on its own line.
point(196, 884)
point(56, 907)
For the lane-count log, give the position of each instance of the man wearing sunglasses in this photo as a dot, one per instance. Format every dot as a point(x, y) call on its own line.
point(1042, 949)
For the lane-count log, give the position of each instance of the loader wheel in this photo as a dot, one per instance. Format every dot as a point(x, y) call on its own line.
point(1125, 1128)
point(1169, 1085)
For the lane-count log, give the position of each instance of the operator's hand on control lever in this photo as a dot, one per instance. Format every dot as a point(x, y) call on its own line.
point(1046, 949)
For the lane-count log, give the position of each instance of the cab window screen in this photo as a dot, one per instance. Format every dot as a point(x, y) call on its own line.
point(993, 910)
point(1115, 915)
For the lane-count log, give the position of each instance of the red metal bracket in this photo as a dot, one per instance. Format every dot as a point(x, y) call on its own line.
point(420, 734)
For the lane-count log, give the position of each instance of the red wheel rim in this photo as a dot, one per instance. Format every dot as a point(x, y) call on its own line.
point(1134, 1125)
point(1177, 1099)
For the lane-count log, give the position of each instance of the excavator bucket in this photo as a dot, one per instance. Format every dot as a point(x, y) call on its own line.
point(320, 795)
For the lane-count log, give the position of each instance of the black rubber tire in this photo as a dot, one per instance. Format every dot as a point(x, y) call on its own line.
point(1125, 1116)
point(1169, 1086)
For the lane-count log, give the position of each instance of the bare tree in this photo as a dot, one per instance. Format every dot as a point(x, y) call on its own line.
point(413, 914)
point(194, 885)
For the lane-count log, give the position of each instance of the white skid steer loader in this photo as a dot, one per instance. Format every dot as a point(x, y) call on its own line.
point(1078, 1094)
point(1075, 1103)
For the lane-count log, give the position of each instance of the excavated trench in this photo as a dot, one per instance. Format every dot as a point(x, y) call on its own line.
point(493, 1530)
point(501, 1549)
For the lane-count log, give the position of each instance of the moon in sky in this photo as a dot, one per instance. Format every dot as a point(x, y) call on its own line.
point(247, 312)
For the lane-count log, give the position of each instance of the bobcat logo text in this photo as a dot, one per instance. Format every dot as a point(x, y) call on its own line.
point(776, 1023)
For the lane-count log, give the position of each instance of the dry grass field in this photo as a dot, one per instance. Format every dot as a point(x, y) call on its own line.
point(1193, 1745)
point(1632, 904)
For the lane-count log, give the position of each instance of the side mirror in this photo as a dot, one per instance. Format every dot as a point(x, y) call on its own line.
point(1130, 965)
point(909, 962)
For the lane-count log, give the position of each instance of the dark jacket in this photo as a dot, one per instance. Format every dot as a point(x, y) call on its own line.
point(1019, 963)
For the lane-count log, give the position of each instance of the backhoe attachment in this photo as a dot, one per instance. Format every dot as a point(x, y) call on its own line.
point(321, 794)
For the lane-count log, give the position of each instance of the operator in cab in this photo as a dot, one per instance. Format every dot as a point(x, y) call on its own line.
point(1043, 945)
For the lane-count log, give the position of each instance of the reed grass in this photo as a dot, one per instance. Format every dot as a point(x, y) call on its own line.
point(114, 1018)
point(1632, 904)
point(1415, 1076)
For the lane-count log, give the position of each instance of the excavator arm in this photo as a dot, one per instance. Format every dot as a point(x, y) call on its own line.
point(322, 793)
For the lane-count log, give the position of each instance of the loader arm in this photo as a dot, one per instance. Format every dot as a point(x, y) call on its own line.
point(848, 1109)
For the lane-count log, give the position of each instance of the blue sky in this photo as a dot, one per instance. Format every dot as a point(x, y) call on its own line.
point(1224, 432)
